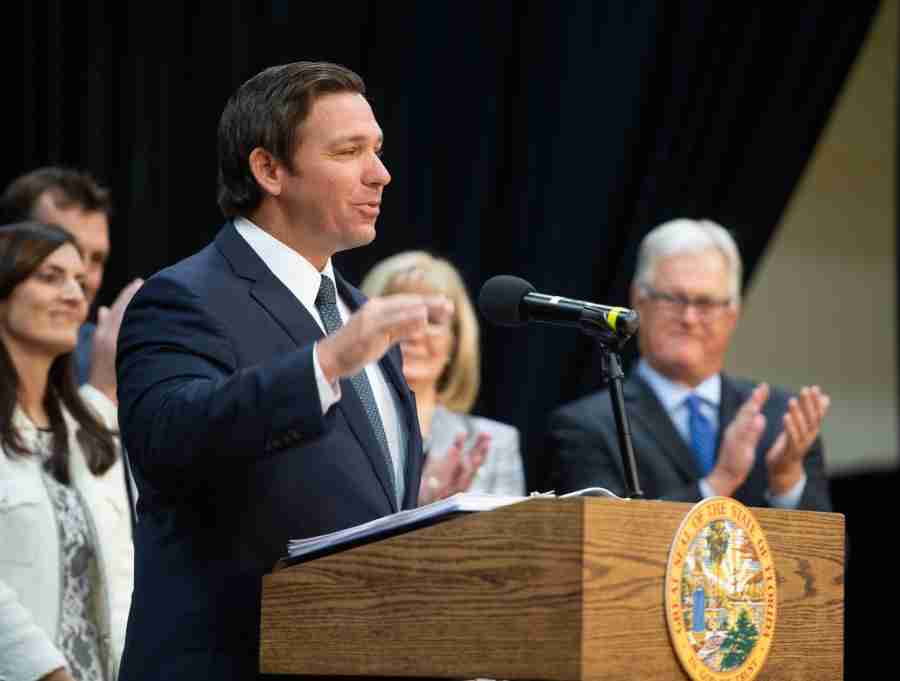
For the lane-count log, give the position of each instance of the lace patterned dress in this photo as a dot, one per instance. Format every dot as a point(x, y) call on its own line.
point(79, 635)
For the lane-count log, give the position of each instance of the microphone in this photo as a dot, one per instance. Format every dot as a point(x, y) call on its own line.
point(510, 301)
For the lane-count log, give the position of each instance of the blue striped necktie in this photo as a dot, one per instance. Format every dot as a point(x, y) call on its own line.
point(703, 435)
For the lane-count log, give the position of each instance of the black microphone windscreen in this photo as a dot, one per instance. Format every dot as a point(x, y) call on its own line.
point(500, 299)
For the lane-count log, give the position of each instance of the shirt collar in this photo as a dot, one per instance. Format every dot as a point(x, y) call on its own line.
point(291, 268)
point(672, 395)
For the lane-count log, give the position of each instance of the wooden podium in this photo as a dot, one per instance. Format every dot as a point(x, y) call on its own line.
point(556, 589)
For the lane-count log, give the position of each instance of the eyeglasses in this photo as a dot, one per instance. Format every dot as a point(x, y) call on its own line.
point(676, 304)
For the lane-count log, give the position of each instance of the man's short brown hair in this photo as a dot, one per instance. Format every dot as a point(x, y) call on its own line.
point(66, 187)
point(267, 111)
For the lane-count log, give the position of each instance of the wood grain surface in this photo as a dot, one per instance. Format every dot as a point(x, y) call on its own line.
point(546, 589)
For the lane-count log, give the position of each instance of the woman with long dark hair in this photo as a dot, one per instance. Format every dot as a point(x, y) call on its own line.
point(66, 556)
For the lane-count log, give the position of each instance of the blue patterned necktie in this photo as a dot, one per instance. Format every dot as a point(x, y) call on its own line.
point(703, 435)
point(326, 304)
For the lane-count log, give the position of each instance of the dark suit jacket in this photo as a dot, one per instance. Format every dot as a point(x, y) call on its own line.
point(221, 418)
point(584, 450)
point(83, 352)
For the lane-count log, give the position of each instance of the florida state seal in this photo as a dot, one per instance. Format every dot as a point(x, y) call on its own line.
point(721, 592)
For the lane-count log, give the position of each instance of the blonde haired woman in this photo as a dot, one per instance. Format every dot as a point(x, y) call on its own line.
point(443, 369)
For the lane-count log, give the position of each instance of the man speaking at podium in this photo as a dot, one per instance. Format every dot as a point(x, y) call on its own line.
point(697, 432)
point(261, 397)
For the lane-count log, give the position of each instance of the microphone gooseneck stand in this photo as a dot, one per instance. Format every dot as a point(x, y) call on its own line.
point(597, 326)
point(511, 301)
point(612, 370)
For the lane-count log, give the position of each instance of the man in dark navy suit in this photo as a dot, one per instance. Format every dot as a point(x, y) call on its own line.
point(261, 396)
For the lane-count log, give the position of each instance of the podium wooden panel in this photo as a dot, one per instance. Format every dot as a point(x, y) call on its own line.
point(556, 589)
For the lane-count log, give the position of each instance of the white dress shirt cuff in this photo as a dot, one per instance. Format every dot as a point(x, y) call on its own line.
point(791, 498)
point(706, 490)
point(329, 393)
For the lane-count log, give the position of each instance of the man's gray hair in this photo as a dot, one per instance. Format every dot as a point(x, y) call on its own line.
point(684, 236)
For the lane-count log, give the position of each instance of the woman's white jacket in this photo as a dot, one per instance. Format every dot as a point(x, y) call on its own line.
point(30, 559)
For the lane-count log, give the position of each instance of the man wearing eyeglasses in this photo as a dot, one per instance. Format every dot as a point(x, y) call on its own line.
point(697, 432)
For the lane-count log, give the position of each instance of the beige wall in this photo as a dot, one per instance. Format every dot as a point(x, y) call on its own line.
point(822, 306)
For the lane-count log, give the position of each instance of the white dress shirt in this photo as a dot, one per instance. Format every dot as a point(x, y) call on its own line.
point(673, 397)
point(303, 280)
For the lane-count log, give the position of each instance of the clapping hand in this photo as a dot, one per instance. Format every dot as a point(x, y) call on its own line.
point(738, 449)
point(453, 472)
point(103, 354)
point(802, 423)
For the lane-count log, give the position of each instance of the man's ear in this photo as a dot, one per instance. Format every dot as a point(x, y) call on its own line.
point(266, 170)
point(734, 313)
point(634, 295)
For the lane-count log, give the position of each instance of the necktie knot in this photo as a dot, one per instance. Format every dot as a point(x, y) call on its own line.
point(326, 304)
point(693, 404)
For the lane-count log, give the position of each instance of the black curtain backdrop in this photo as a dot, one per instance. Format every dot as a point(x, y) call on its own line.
point(531, 138)
point(537, 139)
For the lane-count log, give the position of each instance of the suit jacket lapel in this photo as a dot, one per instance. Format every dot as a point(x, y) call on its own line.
point(353, 411)
point(267, 289)
point(297, 322)
point(409, 419)
point(650, 415)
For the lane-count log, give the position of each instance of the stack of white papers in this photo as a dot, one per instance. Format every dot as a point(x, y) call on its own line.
point(463, 502)
point(404, 521)
point(591, 492)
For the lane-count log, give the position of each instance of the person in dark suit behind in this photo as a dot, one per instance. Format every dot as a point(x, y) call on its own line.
point(697, 432)
point(261, 396)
